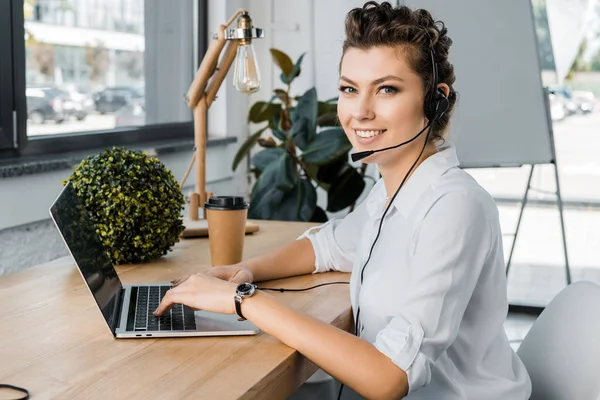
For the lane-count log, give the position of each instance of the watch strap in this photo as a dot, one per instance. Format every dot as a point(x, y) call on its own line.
point(238, 308)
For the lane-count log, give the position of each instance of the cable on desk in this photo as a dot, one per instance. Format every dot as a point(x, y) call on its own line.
point(18, 389)
point(302, 290)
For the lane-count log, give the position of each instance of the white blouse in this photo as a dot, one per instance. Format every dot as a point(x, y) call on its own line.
point(434, 295)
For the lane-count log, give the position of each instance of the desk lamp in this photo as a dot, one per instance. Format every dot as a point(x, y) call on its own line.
point(201, 94)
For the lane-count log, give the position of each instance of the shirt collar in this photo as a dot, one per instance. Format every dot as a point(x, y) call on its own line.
point(423, 177)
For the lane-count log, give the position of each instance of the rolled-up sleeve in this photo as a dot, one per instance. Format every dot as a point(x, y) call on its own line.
point(450, 247)
point(334, 242)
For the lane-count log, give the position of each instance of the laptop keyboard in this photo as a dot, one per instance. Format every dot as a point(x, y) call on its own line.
point(179, 318)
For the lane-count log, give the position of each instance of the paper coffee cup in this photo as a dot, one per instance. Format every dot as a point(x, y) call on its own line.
point(226, 217)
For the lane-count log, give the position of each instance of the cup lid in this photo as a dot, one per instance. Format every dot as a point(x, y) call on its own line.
point(226, 203)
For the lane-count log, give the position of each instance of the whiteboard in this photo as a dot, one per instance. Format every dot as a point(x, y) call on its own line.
point(501, 118)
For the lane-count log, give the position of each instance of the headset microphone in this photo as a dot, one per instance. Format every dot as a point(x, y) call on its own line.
point(362, 154)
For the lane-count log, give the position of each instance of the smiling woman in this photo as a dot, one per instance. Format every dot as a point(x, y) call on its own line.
point(427, 288)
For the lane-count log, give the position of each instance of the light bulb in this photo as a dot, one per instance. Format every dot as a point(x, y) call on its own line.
point(246, 76)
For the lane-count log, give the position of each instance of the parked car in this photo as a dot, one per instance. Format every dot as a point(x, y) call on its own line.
point(81, 104)
point(572, 104)
point(557, 108)
point(131, 114)
point(45, 104)
point(586, 100)
point(112, 98)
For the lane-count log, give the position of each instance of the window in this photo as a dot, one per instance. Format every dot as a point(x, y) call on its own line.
point(7, 137)
point(96, 73)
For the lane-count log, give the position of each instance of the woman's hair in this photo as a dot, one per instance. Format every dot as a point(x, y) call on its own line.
point(384, 25)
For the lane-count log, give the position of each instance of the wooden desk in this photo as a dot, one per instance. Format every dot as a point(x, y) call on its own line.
point(54, 341)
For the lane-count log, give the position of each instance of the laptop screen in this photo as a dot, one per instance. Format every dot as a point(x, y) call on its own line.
point(79, 234)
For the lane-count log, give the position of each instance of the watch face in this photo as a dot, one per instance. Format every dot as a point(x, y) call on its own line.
point(245, 288)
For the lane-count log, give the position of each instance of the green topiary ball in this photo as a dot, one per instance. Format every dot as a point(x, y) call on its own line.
point(134, 201)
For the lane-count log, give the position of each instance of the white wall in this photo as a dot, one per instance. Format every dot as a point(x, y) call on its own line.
point(305, 26)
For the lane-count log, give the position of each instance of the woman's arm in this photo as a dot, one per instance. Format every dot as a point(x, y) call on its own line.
point(351, 360)
point(328, 247)
point(296, 258)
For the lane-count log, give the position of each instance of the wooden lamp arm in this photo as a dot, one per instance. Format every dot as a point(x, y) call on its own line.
point(199, 99)
point(206, 69)
point(219, 76)
point(209, 63)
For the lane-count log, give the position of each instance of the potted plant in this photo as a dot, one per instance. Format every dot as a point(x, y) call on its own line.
point(307, 149)
point(134, 202)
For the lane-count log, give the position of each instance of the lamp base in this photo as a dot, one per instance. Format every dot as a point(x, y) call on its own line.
point(199, 228)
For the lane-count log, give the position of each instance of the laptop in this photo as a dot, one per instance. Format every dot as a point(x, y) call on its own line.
point(128, 309)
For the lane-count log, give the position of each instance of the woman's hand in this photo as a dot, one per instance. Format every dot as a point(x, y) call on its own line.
point(201, 292)
point(232, 273)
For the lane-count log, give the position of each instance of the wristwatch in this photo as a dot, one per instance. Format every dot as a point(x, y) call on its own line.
point(242, 291)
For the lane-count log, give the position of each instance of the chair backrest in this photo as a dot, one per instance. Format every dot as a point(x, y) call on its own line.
point(562, 350)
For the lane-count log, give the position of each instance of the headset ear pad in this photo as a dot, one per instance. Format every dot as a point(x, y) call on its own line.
point(439, 104)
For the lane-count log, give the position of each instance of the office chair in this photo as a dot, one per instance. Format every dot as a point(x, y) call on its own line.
point(562, 349)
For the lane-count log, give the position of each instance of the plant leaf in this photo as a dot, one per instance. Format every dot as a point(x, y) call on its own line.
point(308, 105)
point(296, 205)
point(326, 108)
point(329, 173)
point(307, 108)
point(296, 70)
point(327, 114)
point(267, 178)
point(301, 133)
point(319, 215)
point(246, 147)
point(329, 120)
point(262, 159)
point(279, 171)
point(268, 142)
point(345, 190)
point(285, 123)
point(283, 61)
point(282, 95)
point(275, 128)
point(284, 78)
point(263, 111)
point(306, 199)
point(287, 175)
point(328, 146)
point(263, 202)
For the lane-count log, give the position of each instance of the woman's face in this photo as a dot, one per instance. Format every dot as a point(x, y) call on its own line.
point(380, 102)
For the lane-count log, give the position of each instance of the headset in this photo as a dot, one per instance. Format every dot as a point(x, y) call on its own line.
point(436, 104)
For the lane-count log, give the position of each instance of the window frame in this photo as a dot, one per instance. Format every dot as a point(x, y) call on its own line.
point(15, 109)
point(7, 132)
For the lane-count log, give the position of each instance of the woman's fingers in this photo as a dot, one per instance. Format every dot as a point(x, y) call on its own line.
point(177, 281)
point(200, 291)
point(221, 272)
point(240, 276)
point(172, 297)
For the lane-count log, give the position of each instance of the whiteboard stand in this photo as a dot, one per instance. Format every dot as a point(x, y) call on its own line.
point(558, 195)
